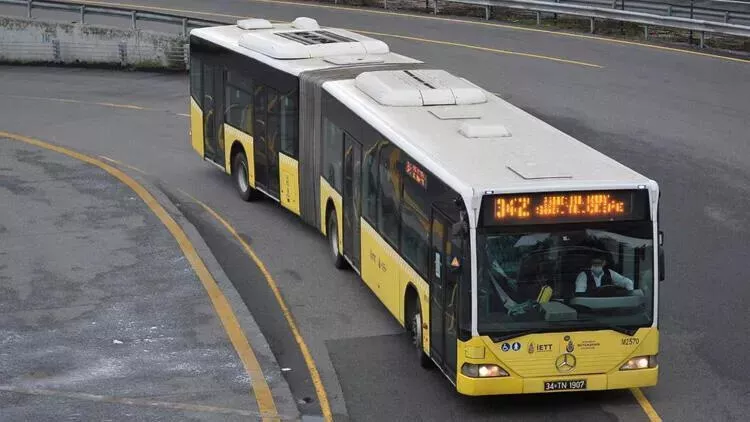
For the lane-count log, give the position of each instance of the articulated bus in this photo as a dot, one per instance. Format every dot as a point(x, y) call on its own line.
point(518, 259)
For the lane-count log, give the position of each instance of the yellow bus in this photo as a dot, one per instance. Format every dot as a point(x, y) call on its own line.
point(518, 259)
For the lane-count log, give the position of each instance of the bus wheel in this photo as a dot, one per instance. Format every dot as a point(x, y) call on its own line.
point(416, 335)
point(240, 176)
point(333, 240)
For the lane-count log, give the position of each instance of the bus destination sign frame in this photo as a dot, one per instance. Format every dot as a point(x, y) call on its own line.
point(565, 207)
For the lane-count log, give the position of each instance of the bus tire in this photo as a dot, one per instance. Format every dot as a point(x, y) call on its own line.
point(416, 335)
point(332, 233)
point(240, 177)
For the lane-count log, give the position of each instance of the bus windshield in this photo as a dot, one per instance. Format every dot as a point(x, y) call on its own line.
point(574, 276)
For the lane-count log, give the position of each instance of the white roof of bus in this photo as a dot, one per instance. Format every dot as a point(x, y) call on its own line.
point(292, 56)
point(519, 152)
point(481, 144)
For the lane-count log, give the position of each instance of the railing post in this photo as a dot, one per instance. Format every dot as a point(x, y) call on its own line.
point(538, 18)
point(435, 5)
point(184, 27)
point(385, 4)
point(135, 17)
point(645, 32)
point(726, 16)
point(703, 39)
point(83, 14)
point(28, 9)
point(669, 10)
point(487, 12)
point(592, 25)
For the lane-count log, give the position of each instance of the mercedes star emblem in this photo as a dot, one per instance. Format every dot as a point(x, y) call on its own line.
point(565, 363)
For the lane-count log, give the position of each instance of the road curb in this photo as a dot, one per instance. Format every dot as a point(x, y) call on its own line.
point(282, 395)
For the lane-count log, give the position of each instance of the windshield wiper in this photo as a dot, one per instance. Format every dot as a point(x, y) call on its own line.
point(628, 331)
point(508, 336)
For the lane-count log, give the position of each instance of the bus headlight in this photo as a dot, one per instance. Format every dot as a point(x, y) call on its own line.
point(483, 371)
point(640, 362)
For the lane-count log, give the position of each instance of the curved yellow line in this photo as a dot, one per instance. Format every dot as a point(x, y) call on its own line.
point(309, 361)
point(221, 305)
point(646, 405)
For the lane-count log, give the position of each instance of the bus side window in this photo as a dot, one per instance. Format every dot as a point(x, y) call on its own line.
point(196, 80)
point(333, 148)
point(370, 185)
point(390, 193)
point(289, 121)
point(415, 223)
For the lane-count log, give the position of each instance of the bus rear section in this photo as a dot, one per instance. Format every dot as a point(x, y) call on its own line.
point(565, 294)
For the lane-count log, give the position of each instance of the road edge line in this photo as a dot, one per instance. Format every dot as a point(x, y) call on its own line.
point(646, 405)
point(320, 391)
point(221, 305)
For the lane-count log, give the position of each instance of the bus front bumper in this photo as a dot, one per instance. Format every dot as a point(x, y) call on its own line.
point(516, 385)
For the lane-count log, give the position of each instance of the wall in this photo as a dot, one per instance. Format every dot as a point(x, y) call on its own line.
point(25, 40)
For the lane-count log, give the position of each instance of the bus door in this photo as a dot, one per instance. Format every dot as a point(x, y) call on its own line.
point(213, 113)
point(352, 194)
point(266, 139)
point(443, 294)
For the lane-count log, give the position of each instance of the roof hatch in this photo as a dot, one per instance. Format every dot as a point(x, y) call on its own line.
point(422, 87)
point(304, 39)
point(474, 129)
point(249, 24)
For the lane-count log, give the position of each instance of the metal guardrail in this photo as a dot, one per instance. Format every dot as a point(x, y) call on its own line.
point(133, 14)
point(698, 18)
point(592, 13)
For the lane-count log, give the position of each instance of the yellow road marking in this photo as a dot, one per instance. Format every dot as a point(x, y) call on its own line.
point(223, 309)
point(129, 401)
point(309, 361)
point(426, 40)
point(488, 49)
point(102, 104)
point(646, 405)
point(122, 164)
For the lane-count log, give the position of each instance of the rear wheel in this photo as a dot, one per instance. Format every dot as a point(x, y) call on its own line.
point(415, 330)
point(333, 240)
point(241, 179)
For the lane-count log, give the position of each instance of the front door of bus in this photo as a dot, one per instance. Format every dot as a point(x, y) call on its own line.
point(443, 294)
point(213, 127)
point(352, 189)
point(266, 139)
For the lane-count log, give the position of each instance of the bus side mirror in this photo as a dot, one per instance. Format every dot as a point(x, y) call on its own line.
point(459, 230)
point(661, 256)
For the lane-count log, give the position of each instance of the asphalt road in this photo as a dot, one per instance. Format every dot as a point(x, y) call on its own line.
point(101, 314)
point(680, 118)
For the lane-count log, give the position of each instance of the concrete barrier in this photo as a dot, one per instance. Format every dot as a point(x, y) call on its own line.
point(32, 41)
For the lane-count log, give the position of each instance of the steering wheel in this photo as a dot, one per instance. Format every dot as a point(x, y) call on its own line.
point(609, 290)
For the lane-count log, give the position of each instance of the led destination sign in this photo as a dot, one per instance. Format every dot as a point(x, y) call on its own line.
point(564, 207)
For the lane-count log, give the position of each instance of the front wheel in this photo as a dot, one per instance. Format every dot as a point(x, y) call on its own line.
point(416, 336)
point(333, 241)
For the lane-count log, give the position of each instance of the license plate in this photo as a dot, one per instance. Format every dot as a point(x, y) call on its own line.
point(565, 385)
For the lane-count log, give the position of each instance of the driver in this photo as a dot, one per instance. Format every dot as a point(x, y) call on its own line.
point(598, 276)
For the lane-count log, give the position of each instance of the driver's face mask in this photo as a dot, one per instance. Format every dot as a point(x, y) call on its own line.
point(598, 270)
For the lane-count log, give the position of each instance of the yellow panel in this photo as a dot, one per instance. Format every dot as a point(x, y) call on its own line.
point(595, 351)
point(474, 352)
point(327, 192)
point(289, 181)
point(232, 135)
point(583, 347)
point(636, 378)
point(196, 127)
point(387, 273)
point(370, 271)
